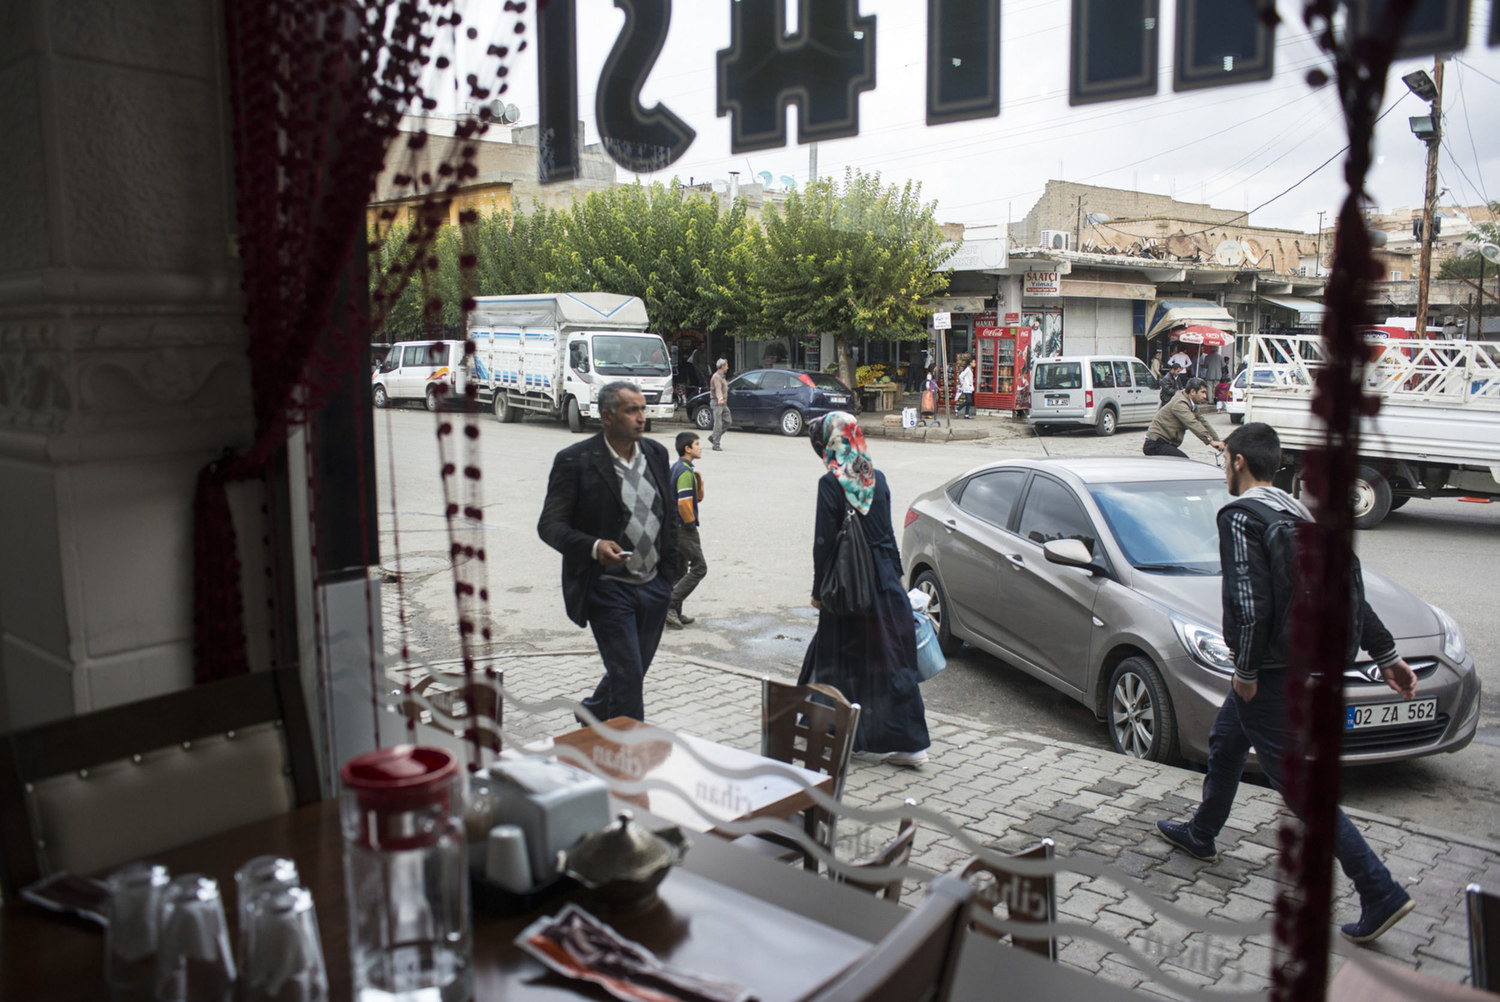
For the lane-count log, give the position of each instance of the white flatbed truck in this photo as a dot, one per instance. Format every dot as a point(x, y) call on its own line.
point(1437, 433)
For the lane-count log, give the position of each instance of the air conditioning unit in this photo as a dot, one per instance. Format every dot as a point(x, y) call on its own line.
point(1057, 240)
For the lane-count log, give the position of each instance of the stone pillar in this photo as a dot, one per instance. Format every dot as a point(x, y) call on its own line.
point(122, 352)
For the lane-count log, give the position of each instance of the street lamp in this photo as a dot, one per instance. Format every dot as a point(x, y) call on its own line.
point(1420, 84)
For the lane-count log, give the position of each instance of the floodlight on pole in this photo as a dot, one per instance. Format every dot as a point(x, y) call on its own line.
point(1423, 127)
point(1420, 84)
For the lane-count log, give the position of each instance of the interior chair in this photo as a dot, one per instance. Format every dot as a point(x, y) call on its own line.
point(896, 852)
point(90, 792)
point(811, 726)
point(1484, 938)
point(917, 960)
point(471, 711)
point(1025, 898)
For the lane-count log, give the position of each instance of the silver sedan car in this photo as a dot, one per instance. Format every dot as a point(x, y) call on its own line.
point(1100, 576)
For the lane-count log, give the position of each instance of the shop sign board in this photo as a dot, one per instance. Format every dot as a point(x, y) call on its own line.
point(942, 321)
point(1042, 283)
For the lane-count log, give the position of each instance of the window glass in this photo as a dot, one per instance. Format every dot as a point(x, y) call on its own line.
point(1053, 512)
point(993, 496)
point(826, 381)
point(1122, 374)
point(1167, 527)
point(1103, 373)
point(578, 355)
point(1058, 376)
point(749, 381)
point(1143, 376)
point(775, 380)
point(414, 355)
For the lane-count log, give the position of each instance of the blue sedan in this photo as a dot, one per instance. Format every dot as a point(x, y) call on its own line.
point(785, 399)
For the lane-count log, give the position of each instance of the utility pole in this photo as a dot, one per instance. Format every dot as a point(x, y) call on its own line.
point(1429, 204)
point(1318, 256)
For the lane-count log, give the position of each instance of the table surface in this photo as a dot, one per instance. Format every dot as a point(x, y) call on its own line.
point(705, 790)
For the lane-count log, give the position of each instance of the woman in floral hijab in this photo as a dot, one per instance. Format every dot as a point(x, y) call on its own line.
point(870, 658)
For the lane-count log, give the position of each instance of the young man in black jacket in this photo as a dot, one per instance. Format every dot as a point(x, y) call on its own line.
point(1254, 713)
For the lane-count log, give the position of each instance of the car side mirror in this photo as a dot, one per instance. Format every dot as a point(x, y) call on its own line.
point(1069, 552)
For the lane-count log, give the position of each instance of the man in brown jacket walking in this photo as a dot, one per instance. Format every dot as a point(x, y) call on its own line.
point(1178, 417)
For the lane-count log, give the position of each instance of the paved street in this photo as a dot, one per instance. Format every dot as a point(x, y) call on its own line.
point(1012, 760)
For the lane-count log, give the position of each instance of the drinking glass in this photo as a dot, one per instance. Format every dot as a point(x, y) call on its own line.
point(135, 892)
point(255, 877)
point(193, 959)
point(283, 959)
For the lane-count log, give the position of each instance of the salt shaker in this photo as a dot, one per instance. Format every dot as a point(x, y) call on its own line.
point(406, 875)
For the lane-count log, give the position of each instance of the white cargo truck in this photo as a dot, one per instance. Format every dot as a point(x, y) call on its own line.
point(550, 353)
point(1437, 433)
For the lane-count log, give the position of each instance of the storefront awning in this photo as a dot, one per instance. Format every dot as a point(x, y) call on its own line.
point(1309, 313)
point(1168, 314)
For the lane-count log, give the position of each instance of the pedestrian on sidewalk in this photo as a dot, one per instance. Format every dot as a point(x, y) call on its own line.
point(1178, 417)
point(718, 395)
point(1170, 384)
point(966, 387)
point(870, 658)
point(1254, 713)
point(606, 513)
point(689, 484)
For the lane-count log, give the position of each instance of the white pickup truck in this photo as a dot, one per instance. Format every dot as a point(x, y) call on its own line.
point(1437, 433)
point(550, 353)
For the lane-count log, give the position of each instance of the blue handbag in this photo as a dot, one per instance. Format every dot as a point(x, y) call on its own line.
point(930, 658)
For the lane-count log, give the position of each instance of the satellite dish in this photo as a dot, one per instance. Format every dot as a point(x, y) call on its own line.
point(511, 115)
point(496, 108)
point(765, 177)
point(1490, 252)
point(1095, 218)
point(790, 183)
point(1229, 253)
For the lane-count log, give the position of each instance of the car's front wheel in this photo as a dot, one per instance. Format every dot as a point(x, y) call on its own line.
point(575, 416)
point(1236, 419)
point(1139, 712)
point(1372, 497)
point(379, 394)
point(790, 422)
point(703, 418)
point(937, 611)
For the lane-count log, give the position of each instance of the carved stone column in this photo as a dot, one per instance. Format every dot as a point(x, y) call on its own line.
point(122, 354)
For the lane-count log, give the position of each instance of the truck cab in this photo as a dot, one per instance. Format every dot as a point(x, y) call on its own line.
point(596, 358)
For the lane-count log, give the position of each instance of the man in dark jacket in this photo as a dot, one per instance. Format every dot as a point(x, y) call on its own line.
point(608, 512)
point(1176, 419)
point(1171, 382)
point(1254, 713)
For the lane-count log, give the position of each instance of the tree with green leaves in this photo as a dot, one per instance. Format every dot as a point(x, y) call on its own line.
point(1467, 265)
point(663, 243)
point(855, 259)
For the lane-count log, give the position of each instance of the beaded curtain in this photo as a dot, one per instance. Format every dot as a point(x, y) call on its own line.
point(317, 90)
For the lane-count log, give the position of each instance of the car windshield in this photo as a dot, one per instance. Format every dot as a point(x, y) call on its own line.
point(1165, 526)
point(824, 381)
point(630, 355)
point(1058, 376)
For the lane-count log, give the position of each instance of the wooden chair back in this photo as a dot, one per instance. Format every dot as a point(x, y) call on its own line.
point(1484, 938)
point(896, 852)
point(808, 725)
point(471, 711)
point(1025, 898)
point(90, 792)
point(917, 960)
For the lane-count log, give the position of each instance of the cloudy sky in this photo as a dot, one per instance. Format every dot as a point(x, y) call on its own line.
point(1240, 147)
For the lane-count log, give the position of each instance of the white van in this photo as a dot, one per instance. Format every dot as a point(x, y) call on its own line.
point(1105, 391)
point(421, 370)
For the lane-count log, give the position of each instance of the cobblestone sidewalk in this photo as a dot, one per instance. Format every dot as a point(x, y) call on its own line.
point(1007, 790)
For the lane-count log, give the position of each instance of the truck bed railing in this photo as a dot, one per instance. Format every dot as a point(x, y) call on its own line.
point(1461, 373)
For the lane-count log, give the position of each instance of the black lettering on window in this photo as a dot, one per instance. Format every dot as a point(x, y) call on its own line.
point(822, 69)
point(1113, 50)
point(963, 60)
point(1221, 42)
point(639, 139)
point(1435, 26)
point(557, 85)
